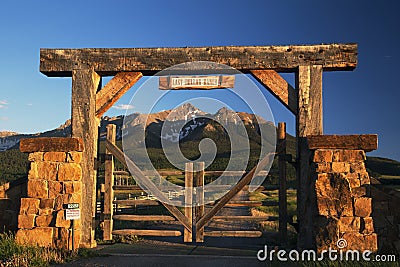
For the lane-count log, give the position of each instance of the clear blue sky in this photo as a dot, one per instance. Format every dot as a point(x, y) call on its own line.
point(362, 101)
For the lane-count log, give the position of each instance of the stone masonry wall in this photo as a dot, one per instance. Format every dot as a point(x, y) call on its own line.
point(54, 179)
point(343, 202)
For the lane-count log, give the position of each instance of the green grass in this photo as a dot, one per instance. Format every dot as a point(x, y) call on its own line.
point(13, 254)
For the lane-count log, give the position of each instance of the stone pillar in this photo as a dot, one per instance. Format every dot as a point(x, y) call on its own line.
point(341, 182)
point(54, 180)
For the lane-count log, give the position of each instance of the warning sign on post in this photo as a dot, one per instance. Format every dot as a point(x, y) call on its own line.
point(72, 212)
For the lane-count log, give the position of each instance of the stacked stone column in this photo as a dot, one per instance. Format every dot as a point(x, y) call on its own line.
point(344, 205)
point(54, 180)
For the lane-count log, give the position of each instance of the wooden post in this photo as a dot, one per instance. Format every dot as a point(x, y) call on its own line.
point(309, 122)
point(282, 182)
point(187, 235)
point(109, 180)
point(85, 83)
point(199, 210)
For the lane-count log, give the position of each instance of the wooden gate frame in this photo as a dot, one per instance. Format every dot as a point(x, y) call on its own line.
point(90, 100)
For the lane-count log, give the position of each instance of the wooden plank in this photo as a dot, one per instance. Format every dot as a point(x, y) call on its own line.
point(282, 182)
point(243, 204)
point(114, 89)
point(197, 82)
point(366, 142)
point(48, 144)
point(274, 83)
point(84, 124)
point(245, 218)
point(127, 187)
point(152, 173)
point(147, 232)
point(149, 184)
point(309, 122)
point(109, 61)
point(233, 233)
point(143, 218)
point(187, 234)
point(136, 202)
point(239, 186)
point(199, 210)
point(108, 184)
point(233, 173)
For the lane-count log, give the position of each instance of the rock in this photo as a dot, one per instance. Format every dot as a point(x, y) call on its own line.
point(60, 220)
point(364, 178)
point(322, 155)
point(40, 236)
point(26, 221)
point(74, 157)
point(363, 206)
point(47, 170)
point(340, 167)
point(72, 187)
point(55, 156)
point(46, 203)
point(37, 189)
point(353, 180)
point(323, 167)
point(349, 224)
point(35, 156)
point(44, 220)
point(55, 189)
point(69, 172)
point(29, 206)
point(359, 191)
point(367, 225)
point(357, 167)
point(33, 171)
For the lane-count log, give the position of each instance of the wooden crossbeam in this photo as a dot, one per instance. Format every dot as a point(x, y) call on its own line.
point(274, 83)
point(136, 202)
point(109, 61)
point(233, 233)
point(114, 89)
point(143, 218)
point(147, 232)
point(245, 218)
point(239, 186)
point(148, 184)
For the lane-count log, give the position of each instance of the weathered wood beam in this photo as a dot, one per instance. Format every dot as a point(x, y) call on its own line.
point(136, 202)
point(143, 218)
point(274, 83)
point(188, 209)
point(233, 233)
point(309, 122)
point(245, 218)
point(366, 142)
point(85, 83)
point(114, 89)
point(109, 61)
point(109, 182)
point(147, 232)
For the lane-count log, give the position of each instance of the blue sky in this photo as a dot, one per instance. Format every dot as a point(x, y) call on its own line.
point(361, 101)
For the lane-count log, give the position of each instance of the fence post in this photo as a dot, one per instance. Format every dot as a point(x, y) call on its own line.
point(187, 235)
point(282, 182)
point(108, 181)
point(199, 209)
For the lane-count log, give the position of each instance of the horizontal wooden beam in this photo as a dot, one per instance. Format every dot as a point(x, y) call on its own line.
point(274, 83)
point(233, 233)
point(114, 89)
point(366, 142)
point(143, 218)
point(48, 144)
point(151, 173)
point(245, 218)
point(109, 61)
point(137, 202)
point(244, 204)
point(147, 232)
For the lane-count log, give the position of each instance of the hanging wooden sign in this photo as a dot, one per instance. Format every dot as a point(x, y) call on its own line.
point(196, 82)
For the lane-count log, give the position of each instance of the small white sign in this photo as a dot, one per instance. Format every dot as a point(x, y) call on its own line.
point(73, 214)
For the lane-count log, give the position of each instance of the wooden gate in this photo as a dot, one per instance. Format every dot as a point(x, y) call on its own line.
point(194, 218)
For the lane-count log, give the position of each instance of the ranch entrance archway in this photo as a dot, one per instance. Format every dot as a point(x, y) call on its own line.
point(90, 100)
